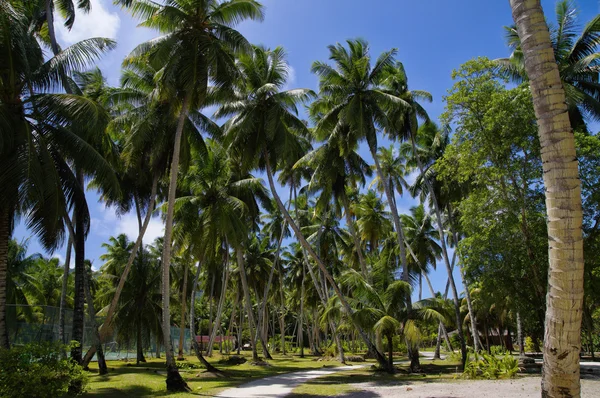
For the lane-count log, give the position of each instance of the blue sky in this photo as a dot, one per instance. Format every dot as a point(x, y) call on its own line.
point(432, 37)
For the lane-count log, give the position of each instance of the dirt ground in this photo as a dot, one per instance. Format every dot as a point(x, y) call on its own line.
point(524, 387)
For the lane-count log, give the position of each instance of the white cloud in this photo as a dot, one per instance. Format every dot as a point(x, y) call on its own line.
point(109, 224)
point(128, 225)
point(99, 22)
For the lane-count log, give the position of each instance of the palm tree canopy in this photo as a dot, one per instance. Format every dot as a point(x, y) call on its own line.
point(577, 56)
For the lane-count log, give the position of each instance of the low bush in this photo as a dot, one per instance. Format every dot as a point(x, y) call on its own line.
point(486, 366)
point(39, 370)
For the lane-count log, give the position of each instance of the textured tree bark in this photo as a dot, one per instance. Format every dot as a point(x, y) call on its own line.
point(520, 337)
point(4, 237)
point(562, 340)
point(174, 380)
point(180, 356)
point(63, 292)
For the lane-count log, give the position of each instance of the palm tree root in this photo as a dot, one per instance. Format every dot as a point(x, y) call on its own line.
point(175, 382)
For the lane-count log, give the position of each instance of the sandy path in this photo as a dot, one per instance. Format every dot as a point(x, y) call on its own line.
point(280, 385)
point(525, 387)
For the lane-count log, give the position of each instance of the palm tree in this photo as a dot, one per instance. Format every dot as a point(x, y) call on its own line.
point(138, 315)
point(221, 204)
point(45, 133)
point(372, 220)
point(563, 203)
point(576, 54)
point(197, 46)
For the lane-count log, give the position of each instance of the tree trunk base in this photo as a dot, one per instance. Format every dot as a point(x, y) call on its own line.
point(175, 382)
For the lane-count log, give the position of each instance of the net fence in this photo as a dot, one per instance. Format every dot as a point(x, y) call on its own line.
point(31, 324)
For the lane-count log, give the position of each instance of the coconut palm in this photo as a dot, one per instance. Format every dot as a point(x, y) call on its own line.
point(372, 220)
point(563, 203)
point(42, 134)
point(577, 57)
point(138, 315)
point(222, 204)
point(198, 45)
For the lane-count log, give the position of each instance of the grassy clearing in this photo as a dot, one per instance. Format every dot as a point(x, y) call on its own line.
point(342, 383)
point(148, 379)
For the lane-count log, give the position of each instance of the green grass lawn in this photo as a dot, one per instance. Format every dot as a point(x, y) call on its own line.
point(344, 382)
point(128, 380)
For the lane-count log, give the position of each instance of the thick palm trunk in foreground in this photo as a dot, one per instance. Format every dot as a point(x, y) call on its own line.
point(106, 328)
point(380, 358)
point(562, 338)
point(4, 237)
point(78, 304)
point(174, 380)
point(63, 292)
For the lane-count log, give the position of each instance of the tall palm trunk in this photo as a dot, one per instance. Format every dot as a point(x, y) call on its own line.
point(79, 302)
point(413, 352)
point(197, 349)
point(440, 227)
point(4, 237)
point(562, 340)
point(380, 358)
point(220, 306)
point(106, 328)
point(251, 325)
point(102, 368)
point(182, 321)
point(174, 380)
point(301, 314)
point(63, 292)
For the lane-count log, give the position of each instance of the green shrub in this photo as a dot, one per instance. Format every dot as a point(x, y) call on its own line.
point(529, 344)
point(488, 366)
point(39, 370)
point(497, 350)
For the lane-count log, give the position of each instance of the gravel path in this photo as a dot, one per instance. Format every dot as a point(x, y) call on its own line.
point(526, 387)
point(280, 385)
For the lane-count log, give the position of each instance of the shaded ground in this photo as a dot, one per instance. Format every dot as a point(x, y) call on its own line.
point(525, 387)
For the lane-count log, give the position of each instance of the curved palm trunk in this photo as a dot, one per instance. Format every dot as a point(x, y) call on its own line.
point(102, 369)
point(197, 350)
point(380, 358)
point(440, 227)
point(174, 380)
point(4, 237)
point(63, 292)
point(182, 322)
point(106, 328)
point(251, 325)
point(219, 307)
point(562, 340)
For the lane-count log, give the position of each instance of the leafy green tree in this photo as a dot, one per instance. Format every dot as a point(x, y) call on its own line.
point(577, 56)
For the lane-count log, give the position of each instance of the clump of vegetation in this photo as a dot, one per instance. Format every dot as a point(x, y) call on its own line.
point(233, 360)
point(39, 370)
point(486, 366)
point(188, 365)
